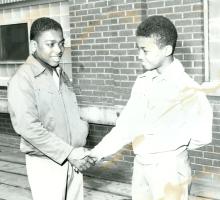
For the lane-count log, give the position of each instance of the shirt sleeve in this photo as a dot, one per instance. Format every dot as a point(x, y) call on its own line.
point(128, 126)
point(24, 116)
point(202, 127)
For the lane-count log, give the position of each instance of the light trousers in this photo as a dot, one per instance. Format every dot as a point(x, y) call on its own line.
point(51, 181)
point(167, 179)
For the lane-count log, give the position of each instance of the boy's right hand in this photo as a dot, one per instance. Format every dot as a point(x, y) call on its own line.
point(80, 159)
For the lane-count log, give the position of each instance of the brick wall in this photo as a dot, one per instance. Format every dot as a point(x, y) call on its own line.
point(103, 49)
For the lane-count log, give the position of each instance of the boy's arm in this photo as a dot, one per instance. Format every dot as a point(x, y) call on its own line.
point(202, 131)
point(128, 126)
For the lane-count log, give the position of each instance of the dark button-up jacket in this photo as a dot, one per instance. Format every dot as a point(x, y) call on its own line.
point(47, 119)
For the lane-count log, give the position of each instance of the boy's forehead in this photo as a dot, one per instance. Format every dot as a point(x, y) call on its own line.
point(146, 41)
point(49, 34)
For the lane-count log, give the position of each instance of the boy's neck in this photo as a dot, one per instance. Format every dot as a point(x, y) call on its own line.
point(165, 64)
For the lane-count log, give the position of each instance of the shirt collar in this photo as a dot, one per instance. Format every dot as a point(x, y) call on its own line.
point(39, 66)
point(174, 68)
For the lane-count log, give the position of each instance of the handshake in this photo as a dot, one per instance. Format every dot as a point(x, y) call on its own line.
point(81, 159)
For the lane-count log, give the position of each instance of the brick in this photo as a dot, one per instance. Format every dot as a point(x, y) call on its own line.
point(80, 1)
point(75, 7)
point(173, 2)
point(196, 153)
point(88, 17)
point(174, 16)
point(127, 58)
point(101, 40)
point(193, 29)
point(101, 29)
point(212, 169)
point(117, 27)
point(109, 21)
point(135, 13)
point(116, 14)
point(111, 46)
point(198, 7)
point(165, 10)
point(81, 12)
point(75, 19)
point(211, 155)
point(117, 39)
point(94, 23)
point(132, 52)
point(141, 5)
point(94, 11)
point(191, 1)
point(156, 4)
point(110, 33)
point(193, 56)
point(102, 52)
point(100, 4)
point(183, 22)
point(203, 161)
point(98, 58)
point(125, 20)
point(126, 33)
point(198, 36)
point(187, 8)
point(151, 12)
point(125, 7)
point(196, 167)
point(110, 9)
point(118, 52)
point(193, 15)
point(87, 6)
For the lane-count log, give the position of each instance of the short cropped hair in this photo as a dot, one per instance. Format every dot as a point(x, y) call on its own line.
point(160, 28)
point(43, 24)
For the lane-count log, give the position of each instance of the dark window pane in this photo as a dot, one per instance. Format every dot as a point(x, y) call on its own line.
point(14, 42)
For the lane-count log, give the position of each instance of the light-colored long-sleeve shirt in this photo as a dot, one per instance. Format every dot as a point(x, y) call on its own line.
point(166, 114)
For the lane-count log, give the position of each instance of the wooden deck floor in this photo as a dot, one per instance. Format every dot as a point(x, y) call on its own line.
point(14, 184)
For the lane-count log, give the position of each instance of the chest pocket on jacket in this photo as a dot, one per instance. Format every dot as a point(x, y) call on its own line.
point(45, 103)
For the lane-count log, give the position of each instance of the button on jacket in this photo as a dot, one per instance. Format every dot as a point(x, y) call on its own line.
point(47, 118)
point(166, 114)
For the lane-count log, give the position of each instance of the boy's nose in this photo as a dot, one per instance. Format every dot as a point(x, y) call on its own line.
point(58, 49)
point(140, 54)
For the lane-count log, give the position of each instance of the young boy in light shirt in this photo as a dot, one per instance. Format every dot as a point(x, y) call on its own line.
point(166, 116)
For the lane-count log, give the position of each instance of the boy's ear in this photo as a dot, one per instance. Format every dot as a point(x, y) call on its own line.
point(168, 50)
point(33, 46)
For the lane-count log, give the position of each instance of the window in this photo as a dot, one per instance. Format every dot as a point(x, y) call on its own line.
point(14, 42)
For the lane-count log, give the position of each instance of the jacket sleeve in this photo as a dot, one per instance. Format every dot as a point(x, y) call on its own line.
point(24, 116)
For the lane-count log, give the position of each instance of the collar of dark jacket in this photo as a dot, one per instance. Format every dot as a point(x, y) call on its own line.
point(39, 65)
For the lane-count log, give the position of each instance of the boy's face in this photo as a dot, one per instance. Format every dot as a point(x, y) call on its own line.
point(151, 56)
point(50, 47)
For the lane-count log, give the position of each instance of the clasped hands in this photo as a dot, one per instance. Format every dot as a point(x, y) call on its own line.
point(81, 159)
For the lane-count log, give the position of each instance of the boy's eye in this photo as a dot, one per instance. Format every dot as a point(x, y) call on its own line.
point(62, 44)
point(143, 50)
point(50, 44)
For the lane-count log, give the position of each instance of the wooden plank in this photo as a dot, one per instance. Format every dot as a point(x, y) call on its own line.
point(117, 188)
point(98, 195)
point(13, 168)
point(8, 192)
point(14, 180)
point(16, 157)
